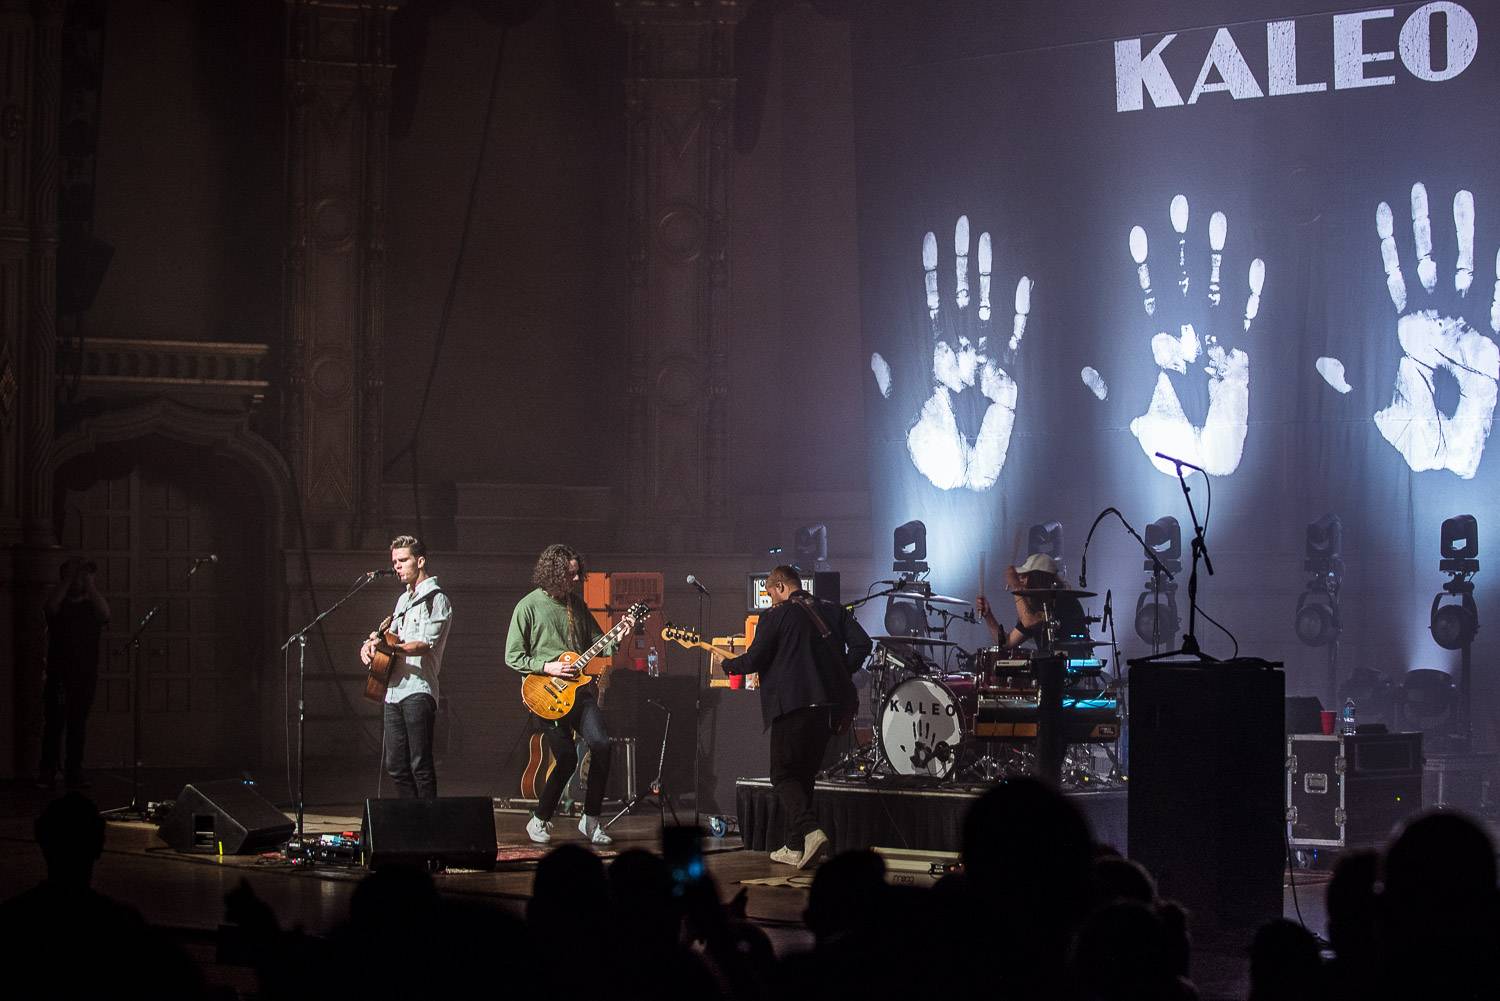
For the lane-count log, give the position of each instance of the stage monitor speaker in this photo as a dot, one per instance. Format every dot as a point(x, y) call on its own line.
point(227, 817)
point(1206, 810)
point(453, 832)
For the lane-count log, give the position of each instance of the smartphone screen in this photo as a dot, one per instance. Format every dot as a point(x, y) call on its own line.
point(682, 850)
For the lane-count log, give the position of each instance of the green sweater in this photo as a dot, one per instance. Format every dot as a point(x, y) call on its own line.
point(539, 632)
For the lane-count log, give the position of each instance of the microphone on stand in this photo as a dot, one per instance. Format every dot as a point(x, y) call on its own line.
point(1107, 619)
point(387, 572)
point(693, 580)
point(200, 560)
point(1179, 462)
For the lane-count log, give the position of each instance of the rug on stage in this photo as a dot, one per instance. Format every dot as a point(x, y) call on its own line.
point(535, 853)
point(797, 881)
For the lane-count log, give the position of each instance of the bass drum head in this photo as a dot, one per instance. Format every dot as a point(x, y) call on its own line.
point(920, 728)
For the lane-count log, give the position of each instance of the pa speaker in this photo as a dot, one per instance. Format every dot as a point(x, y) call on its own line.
point(225, 817)
point(455, 832)
point(1206, 804)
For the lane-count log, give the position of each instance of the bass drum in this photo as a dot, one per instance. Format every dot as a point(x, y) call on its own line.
point(921, 728)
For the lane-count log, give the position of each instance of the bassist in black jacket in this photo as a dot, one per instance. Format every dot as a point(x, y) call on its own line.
point(805, 651)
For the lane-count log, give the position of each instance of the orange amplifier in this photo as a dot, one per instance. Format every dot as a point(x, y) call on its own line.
point(609, 595)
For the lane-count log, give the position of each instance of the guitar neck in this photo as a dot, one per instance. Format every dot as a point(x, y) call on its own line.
point(614, 633)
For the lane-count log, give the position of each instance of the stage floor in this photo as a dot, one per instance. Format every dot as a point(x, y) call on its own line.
point(184, 893)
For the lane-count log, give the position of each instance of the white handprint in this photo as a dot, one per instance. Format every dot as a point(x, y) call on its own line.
point(963, 359)
point(1435, 347)
point(1218, 443)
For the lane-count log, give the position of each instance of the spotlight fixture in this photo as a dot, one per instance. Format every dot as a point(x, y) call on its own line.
point(1317, 616)
point(810, 546)
point(1156, 619)
point(1372, 692)
point(1454, 619)
point(909, 548)
point(1427, 700)
point(1047, 538)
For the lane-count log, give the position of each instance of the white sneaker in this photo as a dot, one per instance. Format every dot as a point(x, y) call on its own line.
point(787, 856)
point(539, 830)
point(812, 847)
point(590, 828)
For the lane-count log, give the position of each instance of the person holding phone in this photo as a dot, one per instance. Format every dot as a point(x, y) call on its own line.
point(805, 651)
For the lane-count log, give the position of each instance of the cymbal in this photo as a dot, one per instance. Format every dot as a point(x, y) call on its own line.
point(1053, 592)
point(936, 599)
point(912, 641)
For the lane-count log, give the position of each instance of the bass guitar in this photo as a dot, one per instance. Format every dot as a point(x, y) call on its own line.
point(552, 698)
point(683, 636)
point(385, 657)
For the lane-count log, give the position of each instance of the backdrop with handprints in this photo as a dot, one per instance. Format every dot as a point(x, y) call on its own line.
point(1266, 247)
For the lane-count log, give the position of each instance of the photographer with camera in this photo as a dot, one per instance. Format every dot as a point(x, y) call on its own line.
point(76, 615)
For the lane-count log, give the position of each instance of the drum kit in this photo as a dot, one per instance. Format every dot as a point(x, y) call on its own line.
point(942, 714)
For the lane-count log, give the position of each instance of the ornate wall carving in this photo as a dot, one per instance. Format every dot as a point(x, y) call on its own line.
point(338, 75)
point(678, 107)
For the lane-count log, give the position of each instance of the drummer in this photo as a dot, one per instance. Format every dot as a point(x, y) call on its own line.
point(1039, 571)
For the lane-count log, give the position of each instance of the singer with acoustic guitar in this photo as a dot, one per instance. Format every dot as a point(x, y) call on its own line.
point(420, 626)
point(547, 630)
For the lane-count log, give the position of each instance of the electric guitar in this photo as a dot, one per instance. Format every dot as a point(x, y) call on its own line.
point(385, 657)
point(683, 636)
point(552, 698)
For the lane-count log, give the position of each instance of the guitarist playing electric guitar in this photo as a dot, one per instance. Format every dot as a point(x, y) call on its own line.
point(547, 624)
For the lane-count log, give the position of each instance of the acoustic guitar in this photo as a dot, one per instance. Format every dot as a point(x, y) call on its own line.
point(386, 657)
point(552, 698)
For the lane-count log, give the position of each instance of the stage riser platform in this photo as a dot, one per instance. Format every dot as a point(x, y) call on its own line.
point(861, 815)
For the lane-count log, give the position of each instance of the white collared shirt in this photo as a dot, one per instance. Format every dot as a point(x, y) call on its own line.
point(424, 614)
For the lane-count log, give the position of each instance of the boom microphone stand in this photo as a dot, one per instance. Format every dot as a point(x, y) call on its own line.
point(1189, 646)
point(132, 650)
point(300, 638)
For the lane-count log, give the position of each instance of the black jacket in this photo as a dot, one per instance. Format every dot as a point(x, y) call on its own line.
point(797, 666)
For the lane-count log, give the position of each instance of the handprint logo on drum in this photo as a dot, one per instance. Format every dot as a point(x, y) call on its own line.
point(1197, 335)
point(964, 362)
point(1443, 402)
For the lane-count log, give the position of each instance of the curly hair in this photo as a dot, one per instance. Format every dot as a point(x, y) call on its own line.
point(551, 572)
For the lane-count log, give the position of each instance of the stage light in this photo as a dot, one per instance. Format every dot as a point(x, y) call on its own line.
point(909, 548)
point(1156, 615)
point(1454, 625)
point(905, 616)
point(1164, 538)
point(1046, 538)
point(1317, 616)
point(1460, 538)
point(1373, 694)
point(810, 547)
point(1426, 700)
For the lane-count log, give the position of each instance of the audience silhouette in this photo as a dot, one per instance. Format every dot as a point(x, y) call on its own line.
point(1038, 911)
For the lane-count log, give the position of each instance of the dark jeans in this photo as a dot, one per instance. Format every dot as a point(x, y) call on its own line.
point(798, 740)
point(585, 720)
point(408, 746)
point(65, 709)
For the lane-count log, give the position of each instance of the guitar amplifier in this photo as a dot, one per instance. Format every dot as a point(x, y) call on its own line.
point(609, 595)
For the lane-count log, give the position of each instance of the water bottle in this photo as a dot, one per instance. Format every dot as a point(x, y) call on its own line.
point(1347, 728)
point(653, 670)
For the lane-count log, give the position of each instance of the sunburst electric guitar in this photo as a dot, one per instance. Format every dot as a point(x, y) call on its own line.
point(552, 698)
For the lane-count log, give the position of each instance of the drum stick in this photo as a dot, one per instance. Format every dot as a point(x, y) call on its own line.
point(981, 575)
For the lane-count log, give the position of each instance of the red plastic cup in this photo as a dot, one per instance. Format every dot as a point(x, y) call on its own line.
point(736, 681)
point(1327, 718)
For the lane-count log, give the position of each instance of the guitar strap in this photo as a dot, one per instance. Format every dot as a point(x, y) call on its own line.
point(426, 599)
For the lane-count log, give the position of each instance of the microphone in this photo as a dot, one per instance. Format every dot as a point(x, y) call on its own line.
point(691, 579)
point(1109, 612)
point(387, 572)
point(210, 558)
point(1180, 463)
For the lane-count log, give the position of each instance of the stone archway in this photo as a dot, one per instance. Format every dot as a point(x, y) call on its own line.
point(143, 491)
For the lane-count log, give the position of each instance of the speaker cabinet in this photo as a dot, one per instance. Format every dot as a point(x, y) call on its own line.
point(225, 817)
point(455, 832)
point(1206, 786)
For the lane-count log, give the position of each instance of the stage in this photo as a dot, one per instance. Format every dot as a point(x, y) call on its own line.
point(888, 813)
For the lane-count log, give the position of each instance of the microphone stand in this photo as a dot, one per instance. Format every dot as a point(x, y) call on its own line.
point(132, 651)
point(1190, 646)
point(300, 638)
point(1159, 568)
